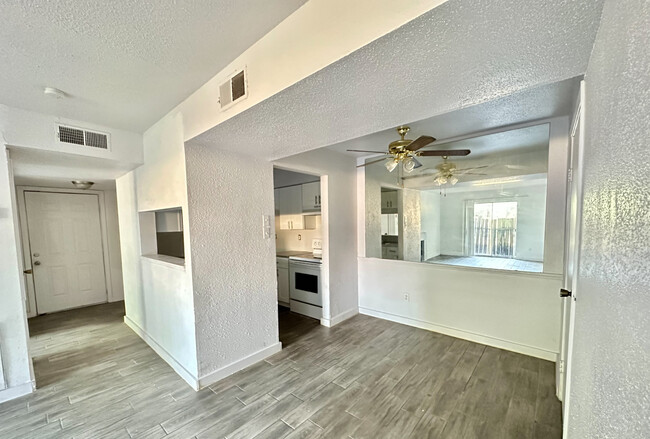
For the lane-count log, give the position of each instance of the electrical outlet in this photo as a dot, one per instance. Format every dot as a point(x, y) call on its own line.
point(406, 297)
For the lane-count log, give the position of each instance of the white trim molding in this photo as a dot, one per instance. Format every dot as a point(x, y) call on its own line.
point(219, 374)
point(339, 318)
point(16, 391)
point(465, 335)
point(189, 378)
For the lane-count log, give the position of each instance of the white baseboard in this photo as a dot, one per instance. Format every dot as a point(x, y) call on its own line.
point(465, 335)
point(339, 318)
point(162, 353)
point(238, 365)
point(16, 391)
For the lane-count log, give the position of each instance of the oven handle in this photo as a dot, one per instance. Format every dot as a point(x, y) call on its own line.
point(304, 264)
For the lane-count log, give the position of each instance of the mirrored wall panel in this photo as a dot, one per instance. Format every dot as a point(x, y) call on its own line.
point(486, 209)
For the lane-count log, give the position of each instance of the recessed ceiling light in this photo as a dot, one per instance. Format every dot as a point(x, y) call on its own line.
point(54, 92)
point(79, 184)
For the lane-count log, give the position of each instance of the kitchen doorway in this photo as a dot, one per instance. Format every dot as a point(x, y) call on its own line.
point(298, 239)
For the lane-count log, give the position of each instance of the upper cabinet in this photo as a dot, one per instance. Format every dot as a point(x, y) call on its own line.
point(311, 197)
point(293, 203)
point(290, 203)
point(389, 202)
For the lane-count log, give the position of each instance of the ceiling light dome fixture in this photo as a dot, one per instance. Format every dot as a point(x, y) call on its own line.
point(81, 184)
point(391, 164)
point(54, 93)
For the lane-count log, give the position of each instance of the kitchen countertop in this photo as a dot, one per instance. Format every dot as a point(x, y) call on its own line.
point(289, 253)
point(299, 256)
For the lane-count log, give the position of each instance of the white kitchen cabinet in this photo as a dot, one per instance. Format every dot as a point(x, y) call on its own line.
point(290, 201)
point(389, 251)
point(389, 224)
point(311, 197)
point(389, 200)
point(282, 267)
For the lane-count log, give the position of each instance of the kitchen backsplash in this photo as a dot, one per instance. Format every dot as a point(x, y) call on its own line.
point(287, 240)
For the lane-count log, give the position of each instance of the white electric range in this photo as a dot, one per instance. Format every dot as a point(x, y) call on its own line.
point(305, 292)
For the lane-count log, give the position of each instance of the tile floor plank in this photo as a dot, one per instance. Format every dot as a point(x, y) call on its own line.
point(363, 378)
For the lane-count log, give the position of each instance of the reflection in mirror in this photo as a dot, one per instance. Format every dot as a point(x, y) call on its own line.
point(486, 210)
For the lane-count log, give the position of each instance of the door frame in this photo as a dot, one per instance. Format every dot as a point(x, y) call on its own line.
point(327, 319)
point(30, 296)
point(569, 306)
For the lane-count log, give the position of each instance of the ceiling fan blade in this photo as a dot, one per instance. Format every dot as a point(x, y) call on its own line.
point(372, 162)
point(466, 170)
point(473, 168)
point(472, 173)
point(444, 152)
point(363, 150)
point(409, 177)
point(420, 142)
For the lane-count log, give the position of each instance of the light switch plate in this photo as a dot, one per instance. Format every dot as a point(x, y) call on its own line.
point(266, 226)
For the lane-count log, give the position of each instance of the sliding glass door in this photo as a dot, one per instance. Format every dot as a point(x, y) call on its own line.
point(495, 229)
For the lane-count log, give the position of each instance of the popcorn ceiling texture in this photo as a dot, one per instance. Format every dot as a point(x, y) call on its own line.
point(235, 298)
point(137, 58)
point(610, 390)
point(461, 53)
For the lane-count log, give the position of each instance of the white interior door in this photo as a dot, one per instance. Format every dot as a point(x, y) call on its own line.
point(572, 252)
point(66, 250)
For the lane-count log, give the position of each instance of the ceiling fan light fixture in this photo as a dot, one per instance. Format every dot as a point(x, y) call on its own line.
point(440, 180)
point(409, 164)
point(391, 164)
point(453, 180)
point(80, 184)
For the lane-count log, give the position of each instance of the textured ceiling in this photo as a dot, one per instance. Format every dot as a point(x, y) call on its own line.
point(461, 53)
point(124, 63)
point(541, 102)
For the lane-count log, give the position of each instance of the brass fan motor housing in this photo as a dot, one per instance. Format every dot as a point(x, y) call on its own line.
point(398, 147)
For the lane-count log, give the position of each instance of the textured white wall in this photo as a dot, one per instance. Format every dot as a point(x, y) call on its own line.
point(235, 296)
point(313, 37)
point(410, 202)
point(158, 296)
point(430, 222)
point(360, 95)
point(13, 320)
point(610, 381)
point(339, 212)
point(514, 311)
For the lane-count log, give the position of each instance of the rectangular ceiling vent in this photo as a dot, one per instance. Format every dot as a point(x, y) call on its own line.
point(78, 136)
point(234, 89)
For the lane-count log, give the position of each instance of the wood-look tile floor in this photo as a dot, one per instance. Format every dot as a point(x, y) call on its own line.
point(363, 378)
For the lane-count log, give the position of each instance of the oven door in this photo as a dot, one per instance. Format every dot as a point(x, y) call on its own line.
point(304, 282)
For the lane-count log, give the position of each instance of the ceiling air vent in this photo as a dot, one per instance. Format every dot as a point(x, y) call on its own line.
point(78, 136)
point(234, 89)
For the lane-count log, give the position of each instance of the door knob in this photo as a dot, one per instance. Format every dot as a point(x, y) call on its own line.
point(37, 262)
point(565, 293)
